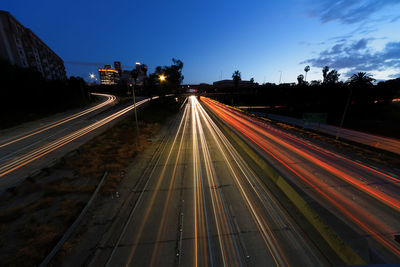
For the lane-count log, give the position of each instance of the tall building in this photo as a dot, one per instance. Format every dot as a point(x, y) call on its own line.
point(142, 73)
point(21, 47)
point(118, 66)
point(108, 76)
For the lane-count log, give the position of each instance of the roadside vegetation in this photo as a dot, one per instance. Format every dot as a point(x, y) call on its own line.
point(28, 96)
point(35, 214)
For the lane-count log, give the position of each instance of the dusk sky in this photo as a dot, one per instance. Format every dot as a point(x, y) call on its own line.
point(214, 38)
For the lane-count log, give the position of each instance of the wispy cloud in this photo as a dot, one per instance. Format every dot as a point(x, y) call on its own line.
point(349, 11)
point(358, 56)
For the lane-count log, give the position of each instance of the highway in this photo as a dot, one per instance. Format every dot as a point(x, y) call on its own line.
point(201, 204)
point(385, 143)
point(26, 151)
point(365, 198)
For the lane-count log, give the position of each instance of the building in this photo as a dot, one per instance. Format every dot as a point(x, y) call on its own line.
point(109, 76)
point(21, 47)
point(116, 75)
point(142, 73)
point(118, 66)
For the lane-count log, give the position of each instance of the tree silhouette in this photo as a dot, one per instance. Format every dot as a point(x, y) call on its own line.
point(330, 76)
point(306, 69)
point(237, 77)
point(300, 79)
point(361, 79)
point(325, 73)
point(361, 84)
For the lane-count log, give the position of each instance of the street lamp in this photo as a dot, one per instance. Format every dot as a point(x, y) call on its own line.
point(92, 77)
point(162, 78)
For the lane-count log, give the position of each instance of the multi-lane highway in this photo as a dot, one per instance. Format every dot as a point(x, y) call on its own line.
point(365, 198)
point(200, 204)
point(27, 150)
point(385, 143)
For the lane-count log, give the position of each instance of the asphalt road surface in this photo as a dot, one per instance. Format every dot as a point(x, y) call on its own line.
point(24, 150)
point(385, 143)
point(366, 198)
point(202, 205)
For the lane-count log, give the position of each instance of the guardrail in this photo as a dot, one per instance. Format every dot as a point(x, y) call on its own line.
point(71, 229)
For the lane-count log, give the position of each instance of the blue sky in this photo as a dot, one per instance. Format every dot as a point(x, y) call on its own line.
point(214, 38)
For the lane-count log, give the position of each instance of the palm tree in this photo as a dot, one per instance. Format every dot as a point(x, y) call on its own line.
point(237, 77)
point(361, 79)
point(306, 69)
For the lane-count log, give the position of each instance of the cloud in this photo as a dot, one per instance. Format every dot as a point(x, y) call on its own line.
point(358, 56)
point(348, 11)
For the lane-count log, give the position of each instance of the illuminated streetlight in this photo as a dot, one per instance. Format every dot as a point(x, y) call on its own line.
point(162, 78)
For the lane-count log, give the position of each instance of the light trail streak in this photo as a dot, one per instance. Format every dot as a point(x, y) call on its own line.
point(355, 214)
point(228, 247)
point(110, 99)
point(201, 226)
point(28, 157)
point(381, 196)
point(267, 235)
point(155, 191)
point(301, 142)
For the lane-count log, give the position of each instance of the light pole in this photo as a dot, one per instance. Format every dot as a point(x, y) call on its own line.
point(135, 74)
point(344, 114)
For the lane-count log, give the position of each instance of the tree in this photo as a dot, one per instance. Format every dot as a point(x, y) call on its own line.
point(173, 78)
point(332, 77)
point(306, 69)
point(237, 77)
point(252, 80)
point(325, 73)
point(300, 79)
point(361, 84)
point(361, 79)
point(315, 83)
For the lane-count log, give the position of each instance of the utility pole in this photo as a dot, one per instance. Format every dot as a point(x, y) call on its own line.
point(135, 74)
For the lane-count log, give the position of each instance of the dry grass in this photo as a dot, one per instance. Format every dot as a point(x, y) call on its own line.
point(11, 214)
point(68, 210)
point(41, 204)
point(40, 239)
point(111, 183)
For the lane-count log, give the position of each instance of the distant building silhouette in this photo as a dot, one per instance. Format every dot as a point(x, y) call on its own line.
point(230, 83)
point(21, 47)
